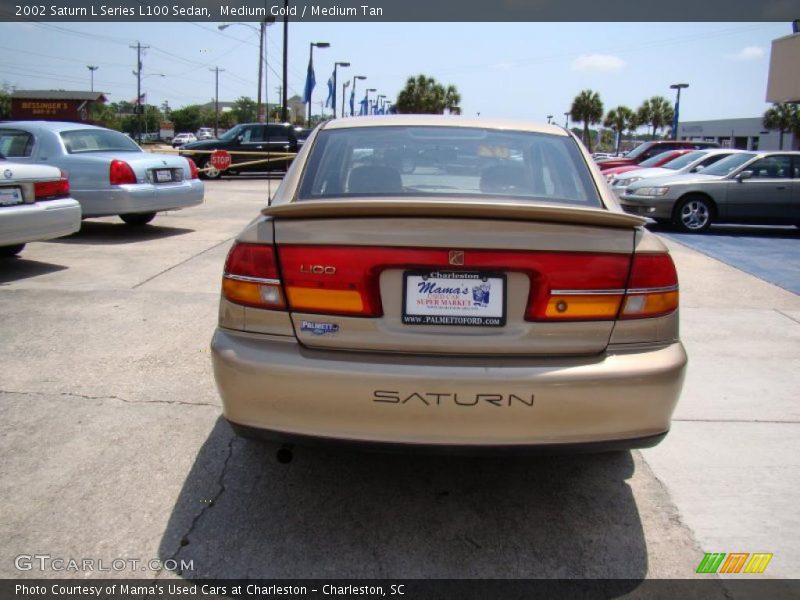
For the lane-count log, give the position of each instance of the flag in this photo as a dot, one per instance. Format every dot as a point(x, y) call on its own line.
point(331, 101)
point(140, 100)
point(364, 109)
point(310, 82)
point(353, 101)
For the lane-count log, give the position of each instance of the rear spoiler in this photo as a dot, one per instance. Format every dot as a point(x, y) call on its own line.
point(462, 209)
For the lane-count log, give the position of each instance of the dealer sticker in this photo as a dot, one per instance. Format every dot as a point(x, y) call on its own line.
point(454, 298)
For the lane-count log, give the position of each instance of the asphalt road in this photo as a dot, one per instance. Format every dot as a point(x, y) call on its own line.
point(113, 445)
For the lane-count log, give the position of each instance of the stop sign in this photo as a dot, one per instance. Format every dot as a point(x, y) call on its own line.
point(220, 159)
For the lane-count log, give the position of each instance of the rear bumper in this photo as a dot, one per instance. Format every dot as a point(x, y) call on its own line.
point(272, 383)
point(139, 198)
point(39, 221)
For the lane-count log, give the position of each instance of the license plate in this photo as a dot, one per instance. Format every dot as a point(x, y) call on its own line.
point(9, 196)
point(163, 175)
point(460, 298)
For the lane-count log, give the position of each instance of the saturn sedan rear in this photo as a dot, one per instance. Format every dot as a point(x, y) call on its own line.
point(492, 296)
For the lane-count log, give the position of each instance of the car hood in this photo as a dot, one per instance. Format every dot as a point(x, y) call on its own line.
point(202, 145)
point(680, 179)
point(610, 163)
point(650, 172)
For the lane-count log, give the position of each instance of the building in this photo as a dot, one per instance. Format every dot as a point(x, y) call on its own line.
point(54, 105)
point(744, 134)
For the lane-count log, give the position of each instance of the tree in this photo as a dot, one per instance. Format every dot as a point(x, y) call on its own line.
point(587, 108)
point(784, 118)
point(424, 95)
point(245, 110)
point(657, 111)
point(618, 120)
point(5, 100)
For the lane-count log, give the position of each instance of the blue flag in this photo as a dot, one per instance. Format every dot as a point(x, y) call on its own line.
point(310, 82)
point(363, 110)
point(331, 101)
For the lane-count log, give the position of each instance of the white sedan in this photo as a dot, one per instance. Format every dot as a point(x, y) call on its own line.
point(35, 204)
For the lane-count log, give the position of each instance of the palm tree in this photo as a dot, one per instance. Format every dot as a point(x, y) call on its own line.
point(657, 111)
point(587, 108)
point(783, 117)
point(424, 95)
point(618, 120)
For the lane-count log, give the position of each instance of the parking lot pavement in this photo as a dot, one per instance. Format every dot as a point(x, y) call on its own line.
point(114, 447)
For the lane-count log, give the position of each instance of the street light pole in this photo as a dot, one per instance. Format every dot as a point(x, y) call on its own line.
point(336, 65)
point(345, 85)
point(216, 99)
point(566, 122)
point(368, 91)
point(284, 112)
point(378, 101)
point(549, 119)
point(262, 33)
point(679, 87)
point(311, 69)
point(353, 107)
point(92, 69)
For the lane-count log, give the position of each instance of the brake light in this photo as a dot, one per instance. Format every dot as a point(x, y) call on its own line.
point(120, 173)
point(194, 173)
point(653, 287)
point(50, 190)
point(251, 277)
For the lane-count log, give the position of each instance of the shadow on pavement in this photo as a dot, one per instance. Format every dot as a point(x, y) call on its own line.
point(101, 232)
point(733, 231)
point(18, 267)
point(346, 514)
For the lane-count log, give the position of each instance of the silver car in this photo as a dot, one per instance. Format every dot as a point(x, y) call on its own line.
point(108, 173)
point(748, 187)
point(34, 205)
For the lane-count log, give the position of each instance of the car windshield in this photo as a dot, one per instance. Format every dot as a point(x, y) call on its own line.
point(684, 160)
point(230, 134)
point(446, 161)
point(652, 161)
point(638, 150)
point(79, 141)
point(729, 164)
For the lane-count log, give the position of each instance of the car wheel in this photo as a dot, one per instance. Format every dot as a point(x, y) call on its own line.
point(138, 219)
point(694, 214)
point(211, 172)
point(9, 251)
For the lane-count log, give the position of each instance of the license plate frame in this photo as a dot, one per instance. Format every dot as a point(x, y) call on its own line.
point(454, 298)
point(163, 176)
point(11, 196)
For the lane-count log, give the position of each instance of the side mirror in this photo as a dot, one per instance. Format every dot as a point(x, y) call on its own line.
point(744, 175)
point(698, 168)
point(239, 138)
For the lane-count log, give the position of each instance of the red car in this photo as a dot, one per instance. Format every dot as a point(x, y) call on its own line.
point(659, 160)
point(650, 149)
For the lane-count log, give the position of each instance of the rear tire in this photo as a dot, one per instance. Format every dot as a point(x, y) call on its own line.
point(9, 251)
point(138, 219)
point(693, 214)
point(211, 172)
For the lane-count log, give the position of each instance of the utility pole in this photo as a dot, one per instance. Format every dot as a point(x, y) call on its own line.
point(92, 69)
point(216, 71)
point(138, 73)
point(285, 112)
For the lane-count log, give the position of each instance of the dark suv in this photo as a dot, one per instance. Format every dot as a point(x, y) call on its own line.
point(648, 150)
point(247, 137)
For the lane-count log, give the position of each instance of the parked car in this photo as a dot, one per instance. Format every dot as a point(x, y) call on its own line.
point(691, 162)
point(34, 204)
point(205, 133)
point(746, 187)
point(503, 305)
point(649, 149)
point(108, 173)
point(183, 138)
point(654, 161)
point(258, 138)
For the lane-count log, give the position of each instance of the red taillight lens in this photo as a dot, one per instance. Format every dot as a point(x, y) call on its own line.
point(251, 277)
point(120, 173)
point(50, 190)
point(194, 173)
point(653, 287)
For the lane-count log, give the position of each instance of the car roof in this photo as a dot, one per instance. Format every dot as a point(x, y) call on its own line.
point(443, 121)
point(56, 126)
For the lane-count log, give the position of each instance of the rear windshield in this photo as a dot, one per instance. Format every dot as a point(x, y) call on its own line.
point(446, 161)
point(78, 141)
point(684, 160)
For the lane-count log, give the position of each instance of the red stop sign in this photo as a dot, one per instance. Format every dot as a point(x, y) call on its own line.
point(220, 159)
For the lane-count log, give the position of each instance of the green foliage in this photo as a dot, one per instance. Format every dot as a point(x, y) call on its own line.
point(618, 120)
point(656, 111)
point(783, 118)
point(5, 100)
point(424, 95)
point(587, 108)
point(187, 119)
point(245, 110)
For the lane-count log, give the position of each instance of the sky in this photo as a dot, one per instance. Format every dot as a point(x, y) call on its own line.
point(511, 70)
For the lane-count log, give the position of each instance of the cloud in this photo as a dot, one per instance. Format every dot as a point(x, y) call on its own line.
point(749, 53)
point(601, 63)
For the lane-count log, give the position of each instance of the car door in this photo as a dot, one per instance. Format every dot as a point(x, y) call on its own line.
point(795, 206)
point(250, 139)
point(280, 139)
point(765, 196)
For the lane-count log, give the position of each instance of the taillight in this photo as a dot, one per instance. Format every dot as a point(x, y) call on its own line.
point(120, 173)
point(194, 173)
point(50, 190)
point(251, 277)
point(653, 287)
